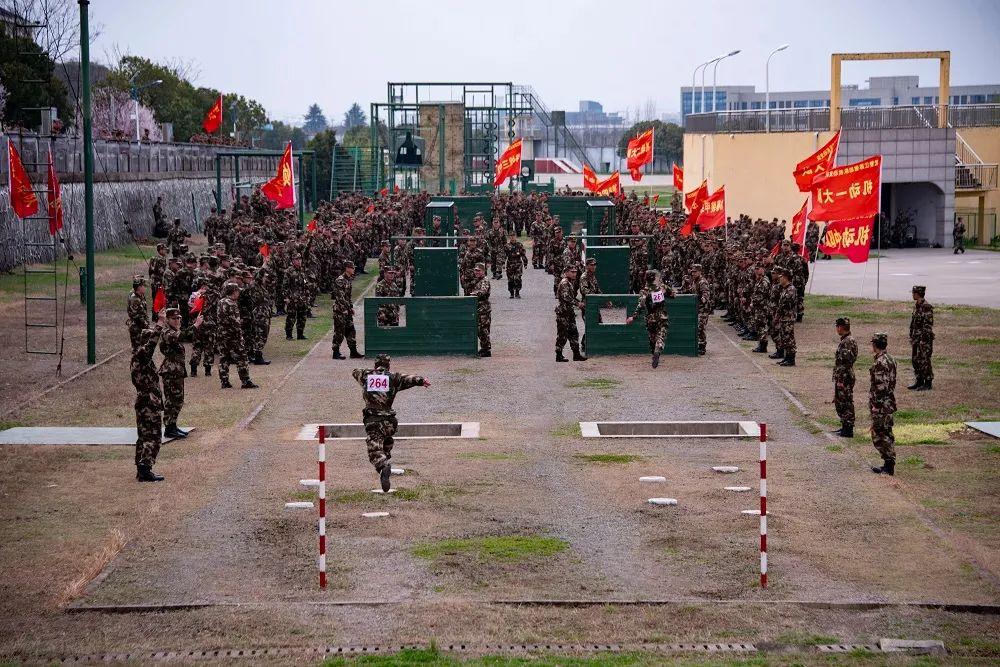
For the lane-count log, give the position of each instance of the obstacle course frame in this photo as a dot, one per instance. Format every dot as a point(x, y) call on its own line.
point(612, 339)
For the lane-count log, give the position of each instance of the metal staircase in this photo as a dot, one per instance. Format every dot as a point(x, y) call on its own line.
point(527, 97)
point(971, 173)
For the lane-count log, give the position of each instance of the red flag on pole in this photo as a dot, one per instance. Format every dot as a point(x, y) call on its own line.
point(265, 251)
point(509, 164)
point(639, 153)
point(384, 191)
point(817, 164)
point(54, 197)
point(775, 250)
point(196, 303)
point(159, 300)
point(371, 208)
point(589, 179)
point(213, 119)
point(712, 211)
point(281, 188)
point(798, 234)
point(23, 199)
point(848, 192)
point(851, 238)
point(678, 179)
point(696, 195)
point(610, 186)
point(656, 198)
point(662, 221)
point(311, 226)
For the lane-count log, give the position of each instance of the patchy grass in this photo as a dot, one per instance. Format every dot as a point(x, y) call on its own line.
point(434, 657)
point(904, 416)
point(303, 495)
point(490, 456)
point(505, 548)
point(983, 341)
point(925, 434)
point(608, 458)
point(407, 494)
point(994, 368)
point(834, 448)
point(913, 461)
point(571, 430)
point(805, 639)
point(992, 449)
point(594, 383)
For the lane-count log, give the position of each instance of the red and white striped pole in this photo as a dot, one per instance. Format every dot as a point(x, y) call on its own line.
point(763, 505)
point(321, 459)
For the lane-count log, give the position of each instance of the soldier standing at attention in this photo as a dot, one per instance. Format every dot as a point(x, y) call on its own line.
point(203, 346)
point(157, 267)
point(588, 285)
point(175, 238)
point(148, 401)
point(495, 238)
point(343, 313)
point(922, 340)
point(566, 305)
point(467, 265)
point(784, 316)
point(298, 291)
point(172, 371)
point(703, 294)
point(517, 259)
point(958, 236)
point(378, 389)
point(843, 378)
point(388, 286)
point(232, 349)
point(159, 222)
point(652, 299)
point(882, 403)
point(138, 320)
point(638, 259)
point(480, 288)
point(759, 298)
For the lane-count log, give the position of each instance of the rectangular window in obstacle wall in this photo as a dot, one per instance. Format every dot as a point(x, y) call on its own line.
point(613, 315)
point(392, 316)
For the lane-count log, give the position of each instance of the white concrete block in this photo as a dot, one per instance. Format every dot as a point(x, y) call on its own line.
point(726, 469)
point(304, 505)
point(662, 501)
point(738, 489)
point(375, 515)
point(653, 479)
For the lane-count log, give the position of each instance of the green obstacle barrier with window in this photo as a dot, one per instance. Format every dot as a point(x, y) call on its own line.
point(435, 271)
point(466, 207)
point(608, 338)
point(429, 326)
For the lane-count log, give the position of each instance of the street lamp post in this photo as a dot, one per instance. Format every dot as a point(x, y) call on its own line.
point(693, 86)
point(767, 88)
point(134, 94)
point(715, 71)
point(713, 60)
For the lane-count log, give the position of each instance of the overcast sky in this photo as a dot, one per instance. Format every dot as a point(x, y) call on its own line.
point(287, 54)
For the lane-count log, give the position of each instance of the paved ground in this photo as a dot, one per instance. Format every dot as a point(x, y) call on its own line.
point(970, 279)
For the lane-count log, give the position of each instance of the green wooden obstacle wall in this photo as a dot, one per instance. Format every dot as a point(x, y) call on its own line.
point(466, 207)
point(435, 271)
point(434, 326)
point(609, 339)
point(570, 209)
point(612, 267)
point(445, 209)
point(596, 210)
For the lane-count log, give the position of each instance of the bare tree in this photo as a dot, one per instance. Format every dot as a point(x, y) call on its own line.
point(59, 34)
point(649, 109)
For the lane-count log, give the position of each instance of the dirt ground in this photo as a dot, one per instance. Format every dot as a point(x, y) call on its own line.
point(529, 534)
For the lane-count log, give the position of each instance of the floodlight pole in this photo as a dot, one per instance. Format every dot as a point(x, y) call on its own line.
point(88, 179)
point(767, 88)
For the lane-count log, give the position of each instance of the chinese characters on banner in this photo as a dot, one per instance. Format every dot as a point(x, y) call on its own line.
point(213, 119)
point(817, 164)
point(851, 238)
point(848, 192)
point(690, 198)
point(678, 179)
point(509, 164)
point(799, 223)
point(22, 198)
point(281, 188)
point(610, 186)
point(712, 211)
point(589, 179)
point(639, 153)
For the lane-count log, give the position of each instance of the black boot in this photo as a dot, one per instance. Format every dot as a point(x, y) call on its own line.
point(560, 357)
point(761, 346)
point(146, 474)
point(384, 477)
point(194, 369)
point(288, 335)
point(354, 352)
point(301, 336)
point(888, 468)
point(576, 353)
point(926, 386)
point(259, 359)
point(337, 354)
point(171, 431)
point(517, 293)
point(846, 431)
point(485, 353)
point(511, 293)
point(226, 384)
point(798, 318)
point(248, 384)
point(656, 359)
point(777, 354)
point(789, 360)
point(917, 384)
point(208, 370)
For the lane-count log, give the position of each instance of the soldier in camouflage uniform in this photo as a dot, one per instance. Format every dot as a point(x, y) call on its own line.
point(588, 285)
point(652, 299)
point(566, 305)
point(843, 378)
point(229, 338)
point(138, 317)
point(203, 346)
point(638, 260)
point(784, 316)
point(922, 340)
point(759, 305)
point(517, 259)
point(172, 370)
point(176, 237)
point(958, 237)
point(182, 285)
point(298, 291)
point(343, 313)
point(812, 239)
point(496, 248)
point(703, 296)
point(148, 401)
point(388, 286)
point(480, 288)
point(882, 403)
point(378, 389)
point(157, 267)
point(159, 220)
point(538, 242)
point(472, 256)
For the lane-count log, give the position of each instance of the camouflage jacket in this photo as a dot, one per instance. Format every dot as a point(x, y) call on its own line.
point(481, 290)
point(704, 294)
point(472, 257)
point(788, 304)
point(882, 393)
point(922, 323)
point(172, 348)
point(228, 315)
point(654, 310)
point(138, 312)
point(142, 368)
point(157, 265)
point(379, 403)
point(298, 285)
point(589, 285)
point(496, 238)
point(385, 288)
point(761, 294)
point(181, 287)
point(343, 306)
point(176, 235)
point(517, 258)
point(843, 362)
point(566, 297)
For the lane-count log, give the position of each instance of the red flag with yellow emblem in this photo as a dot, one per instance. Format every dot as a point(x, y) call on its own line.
point(798, 235)
point(23, 199)
point(678, 179)
point(712, 211)
point(639, 153)
point(213, 119)
point(817, 164)
point(509, 164)
point(281, 188)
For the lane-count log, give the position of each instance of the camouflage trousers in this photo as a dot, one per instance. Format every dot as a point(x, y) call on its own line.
point(496, 260)
point(566, 330)
point(514, 283)
point(203, 347)
point(379, 431)
point(262, 329)
point(537, 254)
point(882, 437)
point(133, 336)
point(657, 330)
point(343, 327)
point(148, 405)
point(249, 335)
point(295, 316)
point(758, 322)
point(636, 278)
point(173, 397)
point(233, 352)
point(921, 360)
point(801, 306)
point(843, 399)
point(786, 335)
point(702, 324)
point(484, 320)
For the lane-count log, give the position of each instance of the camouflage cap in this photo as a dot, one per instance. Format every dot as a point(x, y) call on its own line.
point(782, 271)
point(382, 361)
point(189, 257)
point(230, 287)
point(696, 267)
point(348, 264)
point(650, 273)
point(296, 256)
point(138, 280)
point(591, 261)
point(161, 246)
point(844, 322)
point(174, 260)
point(571, 267)
point(223, 257)
point(880, 340)
point(919, 289)
point(391, 268)
point(480, 266)
point(173, 312)
point(213, 262)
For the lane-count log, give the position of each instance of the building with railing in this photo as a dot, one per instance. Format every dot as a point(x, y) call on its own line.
point(939, 160)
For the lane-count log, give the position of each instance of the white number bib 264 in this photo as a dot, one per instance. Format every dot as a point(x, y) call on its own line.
point(657, 297)
point(378, 383)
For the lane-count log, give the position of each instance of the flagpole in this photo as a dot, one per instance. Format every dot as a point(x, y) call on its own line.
point(863, 276)
point(878, 259)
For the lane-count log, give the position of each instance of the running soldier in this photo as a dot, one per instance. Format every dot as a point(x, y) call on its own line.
point(566, 305)
point(378, 390)
point(480, 288)
point(517, 259)
point(843, 378)
point(652, 299)
point(148, 401)
point(138, 319)
point(232, 349)
point(882, 403)
point(922, 340)
point(343, 313)
point(958, 237)
point(172, 371)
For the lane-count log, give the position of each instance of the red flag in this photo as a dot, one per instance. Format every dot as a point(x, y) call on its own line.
point(159, 300)
point(281, 188)
point(509, 163)
point(395, 188)
point(645, 199)
point(798, 234)
point(265, 251)
point(639, 153)
point(848, 192)
point(213, 119)
point(350, 222)
point(662, 221)
point(817, 164)
point(678, 179)
point(589, 179)
point(311, 226)
point(687, 227)
point(695, 196)
point(656, 198)
point(23, 199)
point(371, 208)
point(196, 303)
point(851, 238)
point(610, 186)
point(775, 250)
point(384, 191)
point(712, 211)
point(54, 199)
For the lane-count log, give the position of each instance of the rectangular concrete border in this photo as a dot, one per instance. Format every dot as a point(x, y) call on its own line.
point(748, 429)
point(470, 430)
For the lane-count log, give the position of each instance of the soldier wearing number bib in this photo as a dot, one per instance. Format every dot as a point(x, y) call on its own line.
point(378, 389)
point(652, 299)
